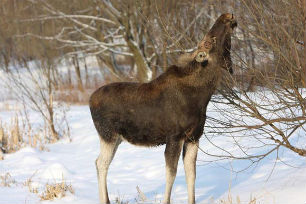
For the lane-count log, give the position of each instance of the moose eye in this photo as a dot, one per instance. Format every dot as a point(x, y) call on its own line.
point(201, 56)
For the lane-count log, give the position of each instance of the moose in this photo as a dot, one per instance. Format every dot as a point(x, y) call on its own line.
point(170, 109)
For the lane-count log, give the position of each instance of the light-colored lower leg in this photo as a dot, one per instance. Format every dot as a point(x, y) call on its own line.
point(190, 157)
point(106, 156)
point(172, 155)
point(170, 177)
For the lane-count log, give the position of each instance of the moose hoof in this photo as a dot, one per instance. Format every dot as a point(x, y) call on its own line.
point(201, 56)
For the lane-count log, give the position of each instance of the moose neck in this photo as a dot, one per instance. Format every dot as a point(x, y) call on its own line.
point(204, 78)
point(193, 80)
point(202, 85)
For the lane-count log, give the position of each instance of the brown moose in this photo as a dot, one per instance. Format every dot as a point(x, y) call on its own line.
point(170, 109)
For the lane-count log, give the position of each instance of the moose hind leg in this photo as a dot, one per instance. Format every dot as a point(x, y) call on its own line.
point(107, 152)
point(172, 154)
point(190, 151)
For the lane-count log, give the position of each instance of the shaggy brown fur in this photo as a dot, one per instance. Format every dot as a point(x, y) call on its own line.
point(170, 109)
point(150, 113)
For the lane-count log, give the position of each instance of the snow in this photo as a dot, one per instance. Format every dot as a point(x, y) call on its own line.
point(74, 162)
point(286, 185)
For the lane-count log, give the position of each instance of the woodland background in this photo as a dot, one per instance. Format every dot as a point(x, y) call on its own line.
point(55, 53)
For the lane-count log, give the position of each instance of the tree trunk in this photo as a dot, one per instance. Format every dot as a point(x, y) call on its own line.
point(50, 107)
point(78, 73)
point(86, 73)
point(140, 62)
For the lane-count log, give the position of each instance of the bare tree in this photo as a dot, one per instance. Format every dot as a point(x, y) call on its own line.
point(132, 33)
point(34, 86)
point(262, 109)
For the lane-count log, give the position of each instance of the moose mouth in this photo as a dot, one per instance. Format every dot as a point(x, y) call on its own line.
point(234, 24)
point(224, 25)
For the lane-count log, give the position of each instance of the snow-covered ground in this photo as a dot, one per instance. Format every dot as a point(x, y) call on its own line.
point(143, 167)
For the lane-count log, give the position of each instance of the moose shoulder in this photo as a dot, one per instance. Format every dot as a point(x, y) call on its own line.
point(170, 109)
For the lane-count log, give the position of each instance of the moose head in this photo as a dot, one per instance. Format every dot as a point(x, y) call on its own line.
point(216, 44)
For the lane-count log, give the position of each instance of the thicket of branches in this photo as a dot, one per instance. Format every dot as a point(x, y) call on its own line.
point(137, 40)
point(263, 106)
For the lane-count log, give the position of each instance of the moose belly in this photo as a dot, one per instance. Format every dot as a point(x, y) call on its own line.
point(144, 135)
point(146, 130)
point(149, 131)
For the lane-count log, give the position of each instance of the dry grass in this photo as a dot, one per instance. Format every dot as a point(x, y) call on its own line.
point(6, 106)
point(231, 200)
point(57, 190)
point(1, 141)
point(51, 191)
point(18, 134)
point(29, 183)
point(72, 94)
point(6, 180)
point(10, 137)
point(119, 200)
point(141, 196)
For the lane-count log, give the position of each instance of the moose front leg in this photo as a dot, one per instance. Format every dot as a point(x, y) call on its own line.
point(172, 155)
point(190, 151)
